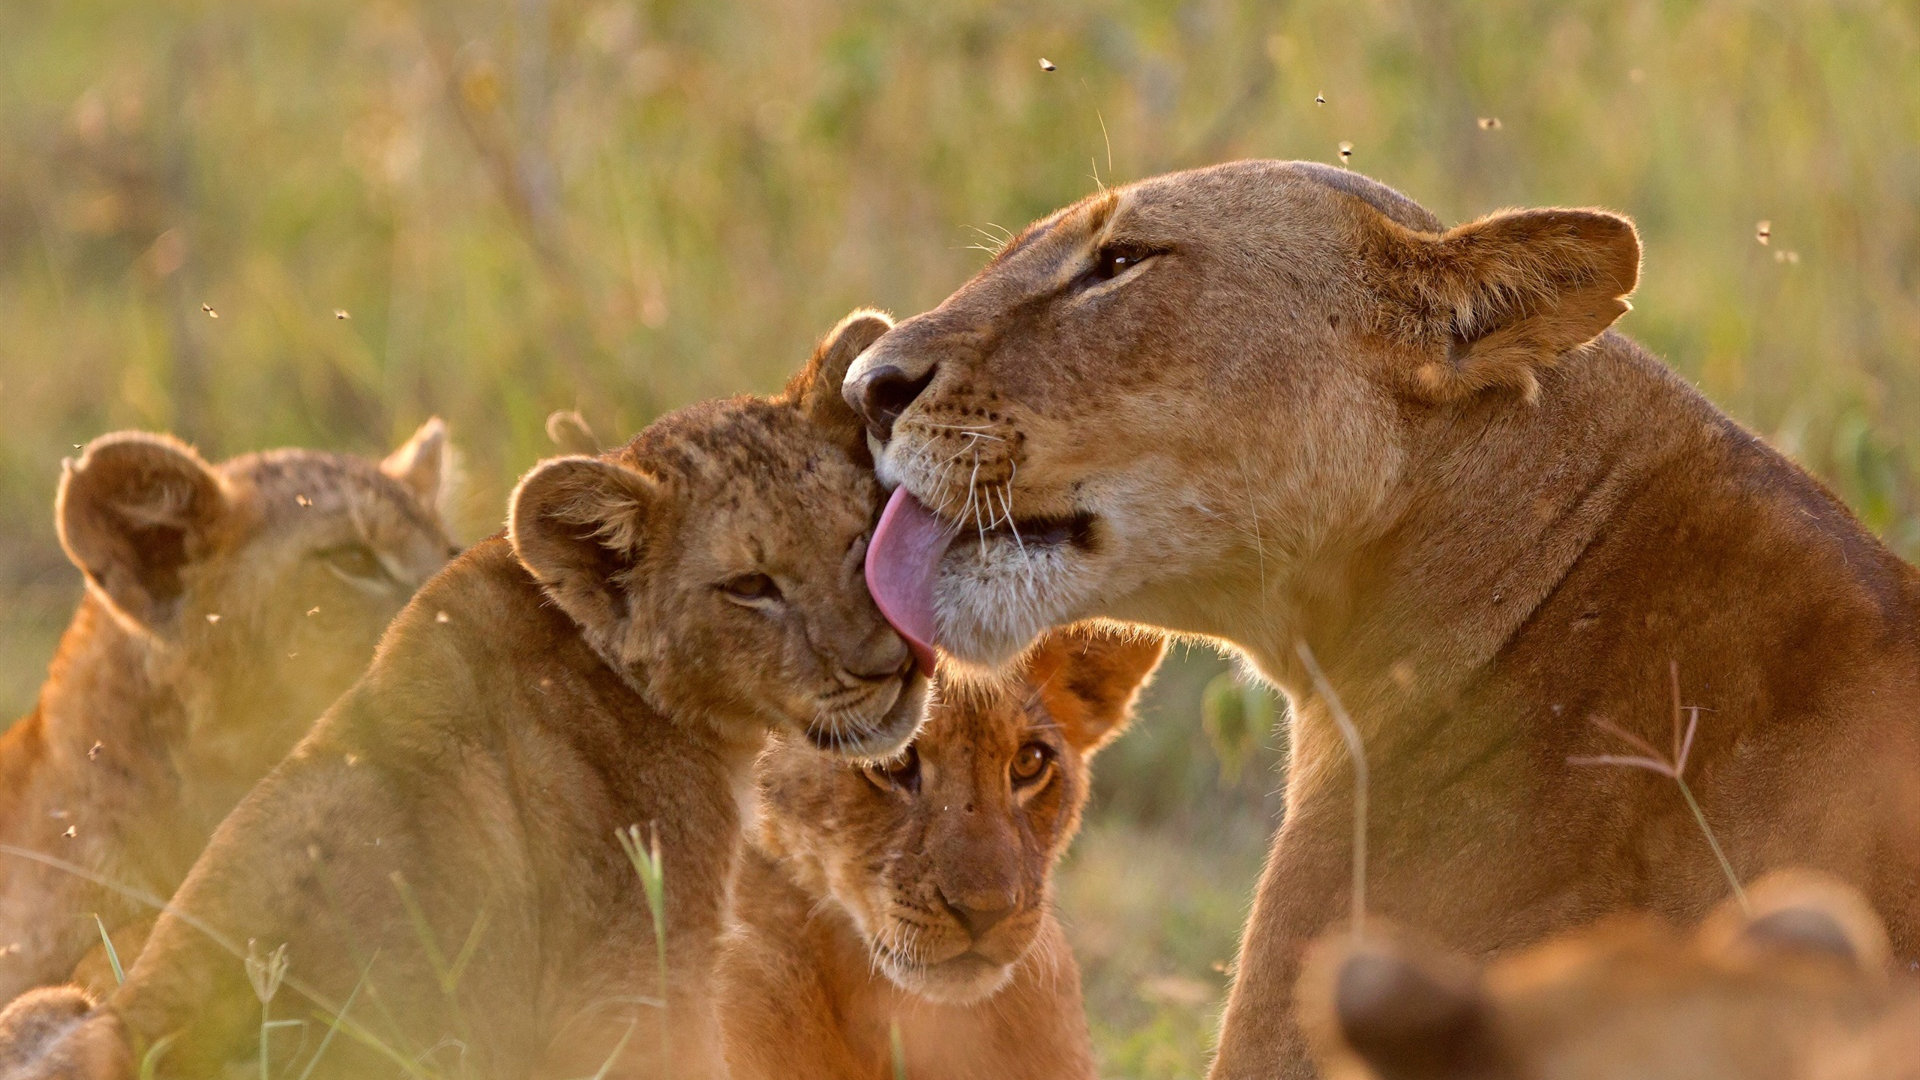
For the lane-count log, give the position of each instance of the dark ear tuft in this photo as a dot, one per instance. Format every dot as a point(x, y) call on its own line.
point(1496, 301)
point(420, 463)
point(816, 387)
point(1799, 912)
point(1405, 1009)
point(578, 525)
point(1089, 676)
point(133, 512)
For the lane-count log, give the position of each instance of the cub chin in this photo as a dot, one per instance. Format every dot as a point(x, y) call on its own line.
point(1796, 985)
point(441, 862)
point(226, 606)
point(914, 891)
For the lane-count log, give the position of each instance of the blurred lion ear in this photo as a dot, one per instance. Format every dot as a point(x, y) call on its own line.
point(1496, 301)
point(133, 512)
point(1801, 913)
point(1089, 675)
point(578, 525)
point(1403, 1008)
point(816, 387)
point(420, 462)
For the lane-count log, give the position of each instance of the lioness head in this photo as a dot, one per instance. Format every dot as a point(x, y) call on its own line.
point(943, 856)
point(264, 582)
point(1797, 988)
point(1194, 386)
point(716, 561)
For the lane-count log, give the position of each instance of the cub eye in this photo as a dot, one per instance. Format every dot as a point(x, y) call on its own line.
point(355, 562)
point(1115, 259)
point(1031, 763)
point(899, 774)
point(750, 588)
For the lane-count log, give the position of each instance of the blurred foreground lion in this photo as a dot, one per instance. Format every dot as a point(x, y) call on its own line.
point(434, 881)
point(1407, 468)
point(226, 607)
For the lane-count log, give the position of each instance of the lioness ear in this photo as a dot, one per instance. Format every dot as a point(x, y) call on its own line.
point(133, 512)
point(1404, 1009)
point(420, 462)
point(816, 387)
point(1497, 300)
point(578, 525)
point(1799, 912)
point(1089, 676)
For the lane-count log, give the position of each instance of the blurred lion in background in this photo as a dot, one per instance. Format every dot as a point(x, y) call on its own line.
point(226, 607)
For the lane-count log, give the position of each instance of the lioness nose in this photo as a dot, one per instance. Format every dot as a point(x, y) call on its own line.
point(980, 913)
point(881, 395)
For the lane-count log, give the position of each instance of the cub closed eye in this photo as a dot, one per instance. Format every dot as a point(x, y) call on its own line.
point(1031, 764)
point(899, 774)
point(750, 589)
point(356, 562)
point(1112, 260)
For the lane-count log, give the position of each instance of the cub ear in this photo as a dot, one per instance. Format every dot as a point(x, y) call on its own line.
point(578, 525)
point(816, 387)
point(1802, 913)
point(1403, 1008)
point(1090, 674)
point(133, 512)
point(420, 463)
point(1497, 300)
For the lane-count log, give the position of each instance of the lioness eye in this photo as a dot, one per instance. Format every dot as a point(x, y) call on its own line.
point(355, 561)
point(900, 774)
point(750, 588)
point(1115, 259)
point(1030, 764)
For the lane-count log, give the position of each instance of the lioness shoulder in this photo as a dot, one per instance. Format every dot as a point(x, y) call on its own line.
point(226, 606)
point(915, 892)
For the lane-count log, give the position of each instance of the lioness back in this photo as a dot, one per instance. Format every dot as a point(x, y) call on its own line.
point(452, 857)
point(1797, 988)
point(915, 892)
point(226, 607)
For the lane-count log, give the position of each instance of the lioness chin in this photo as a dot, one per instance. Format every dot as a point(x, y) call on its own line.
point(226, 606)
point(440, 861)
point(1280, 405)
point(914, 893)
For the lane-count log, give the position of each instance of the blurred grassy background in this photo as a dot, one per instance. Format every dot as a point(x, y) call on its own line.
point(488, 210)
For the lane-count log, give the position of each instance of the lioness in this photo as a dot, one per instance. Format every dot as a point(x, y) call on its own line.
point(1280, 405)
point(1795, 989)
point(438, 859)
point(226, 606)
point(915, 891)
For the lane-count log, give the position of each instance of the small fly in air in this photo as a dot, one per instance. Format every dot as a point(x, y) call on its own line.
point(1763, 232)
point(342, 313)
point(1346, 152)
point(208, 308)
point(1489, 123)
point(1319, 99)
point(1047, 65)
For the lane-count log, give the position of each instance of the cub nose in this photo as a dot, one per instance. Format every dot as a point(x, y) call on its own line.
point(981, 913)
point(881, 395)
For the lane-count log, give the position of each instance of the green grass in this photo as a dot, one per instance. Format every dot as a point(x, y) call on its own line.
point(622, 207)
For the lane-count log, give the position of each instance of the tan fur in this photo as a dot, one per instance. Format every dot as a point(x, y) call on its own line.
point(849, 913)
point(445, 838)
point(1796, 989)
point(225, 608)
point(1306, 415)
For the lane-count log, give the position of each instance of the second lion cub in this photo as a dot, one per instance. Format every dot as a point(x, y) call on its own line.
point(915, 892)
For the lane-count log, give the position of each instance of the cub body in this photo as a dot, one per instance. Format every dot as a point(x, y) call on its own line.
point(915, 892)
point(226, 607)
point(441, 861)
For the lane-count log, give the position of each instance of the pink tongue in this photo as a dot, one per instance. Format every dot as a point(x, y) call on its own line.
point(902, 561)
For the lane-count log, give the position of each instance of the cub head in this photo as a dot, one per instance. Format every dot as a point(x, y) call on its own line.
point(1793, 989)
point(716, 562)
point(942, 856)
point(1201, 379)
point(264, 582)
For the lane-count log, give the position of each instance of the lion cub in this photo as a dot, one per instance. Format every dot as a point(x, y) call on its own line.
point(1797, 988)
point(441, 859)
point(915, 891)
point(226, 606)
